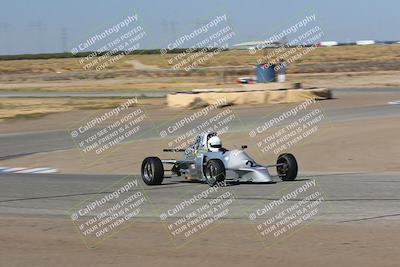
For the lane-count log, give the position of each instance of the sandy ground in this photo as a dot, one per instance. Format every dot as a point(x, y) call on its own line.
point(349, 79)
point(54, 242)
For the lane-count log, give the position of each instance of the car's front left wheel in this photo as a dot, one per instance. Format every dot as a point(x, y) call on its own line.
point(287, 167)
point(152, 171)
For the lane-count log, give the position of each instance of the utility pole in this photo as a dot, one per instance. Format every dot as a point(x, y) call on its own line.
point(36, 29)
point(64, 40)
point(4, 41)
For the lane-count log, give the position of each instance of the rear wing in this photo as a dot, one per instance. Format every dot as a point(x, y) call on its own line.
point(173, 150)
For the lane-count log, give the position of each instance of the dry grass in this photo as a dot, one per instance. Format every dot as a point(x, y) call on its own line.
point(319, 55)
point(229, 58)
point(30, 108)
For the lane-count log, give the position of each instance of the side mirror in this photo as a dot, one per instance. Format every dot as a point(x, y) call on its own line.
point(244, 147)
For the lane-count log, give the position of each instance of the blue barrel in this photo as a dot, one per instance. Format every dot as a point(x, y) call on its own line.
point(265, 73)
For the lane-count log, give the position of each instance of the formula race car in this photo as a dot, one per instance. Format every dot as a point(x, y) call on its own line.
point(206, 160)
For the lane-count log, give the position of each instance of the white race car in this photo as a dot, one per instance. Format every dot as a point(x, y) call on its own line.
point(206, 160)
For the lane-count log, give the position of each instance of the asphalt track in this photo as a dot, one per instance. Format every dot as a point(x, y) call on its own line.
point(348, 197)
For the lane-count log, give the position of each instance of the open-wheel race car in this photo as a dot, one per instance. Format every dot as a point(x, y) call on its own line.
point(206, 160)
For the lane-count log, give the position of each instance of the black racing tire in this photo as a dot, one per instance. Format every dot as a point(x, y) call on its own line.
point(287, 171)
point(152, 171)
point(214, 172)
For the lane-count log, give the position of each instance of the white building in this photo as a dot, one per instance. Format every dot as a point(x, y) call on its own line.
point(328, 43)
point(365, 42)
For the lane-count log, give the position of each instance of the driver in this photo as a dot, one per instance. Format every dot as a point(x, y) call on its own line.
point(214, 144)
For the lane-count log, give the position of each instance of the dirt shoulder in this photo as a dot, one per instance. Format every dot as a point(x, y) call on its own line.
point(55, 242)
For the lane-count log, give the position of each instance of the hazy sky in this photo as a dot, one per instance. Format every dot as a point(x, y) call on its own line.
point(37, 26)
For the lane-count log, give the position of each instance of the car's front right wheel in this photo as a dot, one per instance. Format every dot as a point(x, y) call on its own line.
point(152, 171)
point(214, 172)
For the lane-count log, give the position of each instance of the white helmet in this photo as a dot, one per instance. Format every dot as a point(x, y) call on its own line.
point(214, 144)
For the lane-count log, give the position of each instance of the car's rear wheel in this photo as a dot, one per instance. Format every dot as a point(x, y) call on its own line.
point(152, 171)
point(287, 167)
point(214, 172)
